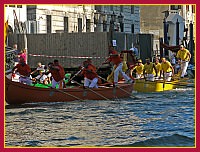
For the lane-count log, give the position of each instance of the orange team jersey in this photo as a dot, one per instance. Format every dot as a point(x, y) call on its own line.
point(115, 59)
point(23, 70)
point(90, 75)
point(58, 74)
point(93, 67)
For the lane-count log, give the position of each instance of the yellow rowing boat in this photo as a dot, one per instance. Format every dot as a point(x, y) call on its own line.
point(141, 85)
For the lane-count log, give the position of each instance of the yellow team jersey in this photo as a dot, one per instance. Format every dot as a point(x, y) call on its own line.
point(149, 68)
point(139, 68)
point(158, 68)
point(124, 66)
point(166, 67)
point(183, 55)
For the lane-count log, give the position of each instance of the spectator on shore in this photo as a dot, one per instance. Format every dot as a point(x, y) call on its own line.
point(23, 55)
point(16, 60)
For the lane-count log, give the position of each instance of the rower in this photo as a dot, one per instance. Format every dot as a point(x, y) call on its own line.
point(117, 61)
point(158, 66)
point(58, 74)
point(184, 56)
point(149, 70)
point(139, 69)
point(90, 75)
point(24, 71)
point(167, 70)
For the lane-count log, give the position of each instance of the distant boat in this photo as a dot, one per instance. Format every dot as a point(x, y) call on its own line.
point(18, 93)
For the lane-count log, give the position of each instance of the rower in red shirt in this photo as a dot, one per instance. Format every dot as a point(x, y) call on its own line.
point(117, 61)
point(24, 71)
point(58, 74)
point(90, 75)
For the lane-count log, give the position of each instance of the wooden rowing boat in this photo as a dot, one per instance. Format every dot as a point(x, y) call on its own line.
point(18, 93)
point(141, 85)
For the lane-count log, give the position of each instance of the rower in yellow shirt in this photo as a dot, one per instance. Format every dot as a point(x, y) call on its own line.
point(158, 66)
point(167, 70)
point(184, 56)
point(139, 69)
point(149, 70)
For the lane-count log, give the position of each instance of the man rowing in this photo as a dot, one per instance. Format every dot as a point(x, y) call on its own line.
point(58, 74)
point(117, 61)
point(90, 75)
point(24, 71)
point(139, 69)
point(184, 56)
point(167, 70)
point(149, 70)
point(158, 66)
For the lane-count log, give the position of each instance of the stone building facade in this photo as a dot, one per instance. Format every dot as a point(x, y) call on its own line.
point(75, 18)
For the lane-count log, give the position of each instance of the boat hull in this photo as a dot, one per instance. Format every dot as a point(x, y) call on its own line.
point(141, 85)
point(18, 93)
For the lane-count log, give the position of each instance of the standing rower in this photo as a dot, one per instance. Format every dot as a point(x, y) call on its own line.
point(117, 61)
point(184, 56)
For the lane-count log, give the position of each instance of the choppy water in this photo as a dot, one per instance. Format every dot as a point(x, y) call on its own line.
point(155, 119)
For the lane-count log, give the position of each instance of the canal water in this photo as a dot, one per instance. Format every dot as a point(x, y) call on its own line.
point(153, 119)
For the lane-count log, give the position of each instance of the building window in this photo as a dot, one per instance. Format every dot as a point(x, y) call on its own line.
point(48, 23)
point(79, 24)
point(132, 9)
point(98, 8)
point(33, 27)
point(122, 27)
point(132, 28)
point(121, 8)
point(193, 9)
point(187, 8)
point(87, 25)
point(11, 5)
point(175, 7)
point(19, 6)
point(104, 26)
point(111, 8)
point(66, 24)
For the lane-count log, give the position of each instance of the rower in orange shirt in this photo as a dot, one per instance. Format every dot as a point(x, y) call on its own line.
point(117, 61)
point(90, 75)
point(58, 74)
point(24, 71)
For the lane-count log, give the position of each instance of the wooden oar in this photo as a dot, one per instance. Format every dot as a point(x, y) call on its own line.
point(120, 88)
point(92, 91)
point(63, 92)
point(75, 75)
